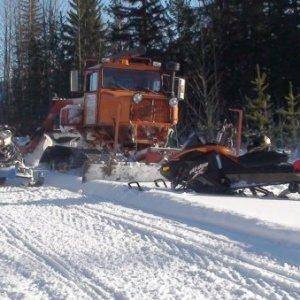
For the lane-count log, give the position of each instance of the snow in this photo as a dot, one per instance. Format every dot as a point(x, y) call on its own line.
point(101, 240)
point(269, 218)
point(123, 171)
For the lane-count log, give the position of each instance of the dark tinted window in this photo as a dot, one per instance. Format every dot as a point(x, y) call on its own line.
point(131, 80)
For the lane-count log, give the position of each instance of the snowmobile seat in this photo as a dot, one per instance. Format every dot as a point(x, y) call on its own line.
point(262, 158)
point(276, 168)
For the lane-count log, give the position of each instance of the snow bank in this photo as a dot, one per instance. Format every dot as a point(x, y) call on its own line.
point(272, 219)
point(90, 243)
point(268, 218)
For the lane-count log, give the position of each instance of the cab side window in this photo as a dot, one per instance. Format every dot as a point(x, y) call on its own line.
point(92, 82)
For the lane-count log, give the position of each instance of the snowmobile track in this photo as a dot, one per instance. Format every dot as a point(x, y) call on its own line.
point(39, 253)
point(64, 243)
point(136, 220)
point(190, 250)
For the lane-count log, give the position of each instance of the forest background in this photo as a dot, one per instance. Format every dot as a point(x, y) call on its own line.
point(233, 54)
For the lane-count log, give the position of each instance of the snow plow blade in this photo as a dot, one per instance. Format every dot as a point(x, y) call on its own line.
point(121, 171)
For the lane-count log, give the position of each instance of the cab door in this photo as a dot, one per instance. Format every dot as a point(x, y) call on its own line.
point(91, 98)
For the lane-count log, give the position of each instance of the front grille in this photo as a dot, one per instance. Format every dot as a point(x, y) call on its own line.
point(151, 110)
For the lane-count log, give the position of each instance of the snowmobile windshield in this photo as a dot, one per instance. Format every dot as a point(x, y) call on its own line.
point(136, 80)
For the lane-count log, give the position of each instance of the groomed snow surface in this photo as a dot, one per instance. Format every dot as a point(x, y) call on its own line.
point(101, 240)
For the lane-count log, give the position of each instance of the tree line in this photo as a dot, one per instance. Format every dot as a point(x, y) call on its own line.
point(233, 53)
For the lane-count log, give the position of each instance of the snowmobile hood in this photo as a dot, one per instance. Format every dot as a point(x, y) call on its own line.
point(206, 149)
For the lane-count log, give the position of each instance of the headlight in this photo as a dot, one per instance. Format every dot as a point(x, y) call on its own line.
point(165, 169)
point(173, 102)
point(137, 98)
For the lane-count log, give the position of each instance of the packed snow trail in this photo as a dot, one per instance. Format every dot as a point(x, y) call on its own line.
point(57, 243)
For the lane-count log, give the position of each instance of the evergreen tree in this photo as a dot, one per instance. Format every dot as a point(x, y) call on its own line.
point(258, 110)
point(6, 84)
point(62, 72)
point(118, 36)
point(29, 66)
point(291, 117)
point(55, 78)
point(256, 32)
point(185, 21)
point(85, 36)
point(50, 46)
point(242, 31)
point(145, 24)
point(281, 49)
point(193, 45)
point(36, 63)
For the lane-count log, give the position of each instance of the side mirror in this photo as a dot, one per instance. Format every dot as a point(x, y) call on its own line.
point(74, 81)
point(181, 89)
point(173, 67)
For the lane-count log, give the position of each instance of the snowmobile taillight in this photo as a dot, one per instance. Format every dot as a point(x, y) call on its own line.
point(296, 165)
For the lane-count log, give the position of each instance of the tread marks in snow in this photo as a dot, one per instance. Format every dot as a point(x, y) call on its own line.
point(51, 260)
point(232, 268)
point(206, 256)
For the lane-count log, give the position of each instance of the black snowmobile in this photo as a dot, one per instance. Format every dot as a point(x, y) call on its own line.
point(213, 168)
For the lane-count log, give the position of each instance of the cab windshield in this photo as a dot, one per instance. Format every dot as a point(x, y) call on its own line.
point(126, 79)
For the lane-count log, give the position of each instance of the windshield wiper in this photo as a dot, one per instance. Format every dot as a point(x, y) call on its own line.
point(120, 87)
point(146, 90)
